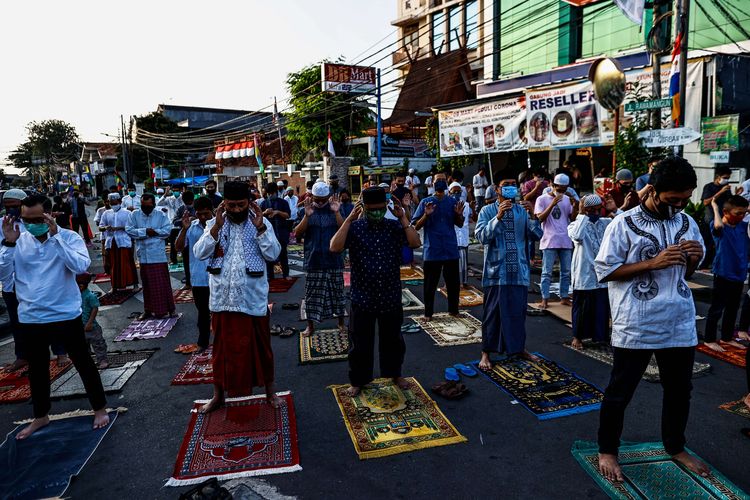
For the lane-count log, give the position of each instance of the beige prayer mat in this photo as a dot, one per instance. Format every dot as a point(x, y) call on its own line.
point(447, 330)
point(410, 302)
point(468, 297)
point(411, 273)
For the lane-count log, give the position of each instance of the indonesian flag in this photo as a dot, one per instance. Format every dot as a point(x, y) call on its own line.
point(331, 151)
point(236, 150)
point(220, 153)
point(674, 80)
point(245, 151)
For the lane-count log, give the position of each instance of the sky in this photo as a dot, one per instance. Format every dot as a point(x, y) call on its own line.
point(88, 62)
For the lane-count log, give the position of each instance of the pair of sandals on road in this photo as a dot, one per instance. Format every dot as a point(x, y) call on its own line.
point(188, 349)
point(283, 332)
point(452, 388)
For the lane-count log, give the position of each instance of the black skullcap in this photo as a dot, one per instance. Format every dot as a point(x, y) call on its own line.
point(235, 190)
point(373, 195)
point(400, 192)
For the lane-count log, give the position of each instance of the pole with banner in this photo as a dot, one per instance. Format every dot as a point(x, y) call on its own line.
point(380, 127)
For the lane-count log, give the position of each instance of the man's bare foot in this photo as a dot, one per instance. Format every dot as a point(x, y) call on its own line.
point(544, 304)
point(427, 318)
point(144, 316)
point(401, 382)
point(63, 360)
point(734, 343)
point(610, 468)
point(485, 363)
point(16, 365)
point(308, 331)
point(103, 365)
point(747, 400)
point(566, 302)
point(528, 356)
point(692, 463)
point(743, 335)
point(215, 403)
point(576, 344)
point(273, 400)
point(173, 314)
point(101, 419)
point(34, 426)
point(353, 391)
point(714, 346)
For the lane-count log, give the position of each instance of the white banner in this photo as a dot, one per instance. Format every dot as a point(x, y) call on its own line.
point(666, 137)
point(483, 128)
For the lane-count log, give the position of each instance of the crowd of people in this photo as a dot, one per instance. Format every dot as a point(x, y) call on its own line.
point(624, 258)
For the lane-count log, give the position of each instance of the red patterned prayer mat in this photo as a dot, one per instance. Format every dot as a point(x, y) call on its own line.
point(731, 354)
point(281, 285)
point(102, 278)
point(14, 386)
point(183, 296)
point(117, 297)
point(196, 370)
point(245, 437)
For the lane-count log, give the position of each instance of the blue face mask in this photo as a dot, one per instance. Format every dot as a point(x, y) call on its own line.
point(441, 186)
point(131, 193)
point(387, 196)
point(37, 229)
point(176, 194)
point(509, 192)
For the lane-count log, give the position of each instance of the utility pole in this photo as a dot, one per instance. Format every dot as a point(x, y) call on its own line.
point(658, 10)
point(380, 127)
point(683, 18)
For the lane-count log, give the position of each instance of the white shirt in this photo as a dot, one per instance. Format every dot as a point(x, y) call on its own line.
point(131, 202)
point(172, 203)
point(412, 181)
point(45, 275)
point(745, 190)
point(116, 219)
point(233, 290)
point(150, 249)
point(587, 239)
point(293, 200)
point(654, 310)
point(7, 281)
point(480, 185)
point(430, 188)
point(462, 233)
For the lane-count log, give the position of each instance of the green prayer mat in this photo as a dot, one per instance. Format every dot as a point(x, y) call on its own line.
point(322, 346)
point(651, 473)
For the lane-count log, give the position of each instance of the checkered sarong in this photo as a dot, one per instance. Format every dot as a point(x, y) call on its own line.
point(157, 289)
point(324, 294)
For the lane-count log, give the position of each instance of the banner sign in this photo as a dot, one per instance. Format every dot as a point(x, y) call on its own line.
point(394, 147)
point(720, 133)
point(345, 78)
point(489, 127)
point(719, 156)
point(647, 105)
point(666, 137)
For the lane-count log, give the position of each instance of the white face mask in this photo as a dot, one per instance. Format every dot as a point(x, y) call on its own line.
point(723, 181)
point(116, 207)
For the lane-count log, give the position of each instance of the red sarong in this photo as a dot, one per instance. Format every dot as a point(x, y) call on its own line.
point(157, 289)
point(122, 267)
point(242, 355)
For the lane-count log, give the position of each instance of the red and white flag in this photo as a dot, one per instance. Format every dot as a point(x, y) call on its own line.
point(331, 151)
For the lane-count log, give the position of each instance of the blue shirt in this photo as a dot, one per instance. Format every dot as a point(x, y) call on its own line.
point(198, 267)
point(345, 209)
point(505, 242)
point(375, 255)
point(641, 181)
point(280, 225)
point(321, 226)
point(150, 248)
point(439, 236)
point(731, 252)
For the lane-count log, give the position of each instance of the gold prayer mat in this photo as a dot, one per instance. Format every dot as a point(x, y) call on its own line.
point(447, 330)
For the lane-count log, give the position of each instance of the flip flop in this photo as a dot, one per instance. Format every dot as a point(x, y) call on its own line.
point(180, 348)
point(452, 374)
point(290, 307)
point(465, 370)
point(277, 330)
point(410, 328)
point(288, 332)
point(190, 349)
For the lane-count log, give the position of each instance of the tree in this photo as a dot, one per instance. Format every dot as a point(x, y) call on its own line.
point(314, 112)
point(50, 143)
point(141, 158)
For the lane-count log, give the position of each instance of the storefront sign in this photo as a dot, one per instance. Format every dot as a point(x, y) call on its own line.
point(488, 127)
point(666, 137)
point(719, 156)
point(720, 133)
point(345, 78)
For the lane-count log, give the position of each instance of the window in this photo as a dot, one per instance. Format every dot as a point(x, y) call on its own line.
point(438, 31)
point(606, 31)
point(454, 28)
point(411, 37)
point(472, 24)
point(528, 36)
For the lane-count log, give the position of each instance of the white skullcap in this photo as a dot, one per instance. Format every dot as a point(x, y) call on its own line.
point(384, 185)
point(160, 191)
point(320, 189)
point(114, 196)
point(280, 183)
point(411, 170)
point(591, 200)
point(562, 180)
point(15, 194)
point(454, 184)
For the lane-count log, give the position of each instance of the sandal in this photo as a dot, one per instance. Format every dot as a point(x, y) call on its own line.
point(289, 332)
point(451, 374)
point(413, 328)
point(190, 349)
point(277, 330)
point(465, 370)
point(290, 307)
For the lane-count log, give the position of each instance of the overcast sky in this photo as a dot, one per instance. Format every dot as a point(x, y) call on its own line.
point(88, 62)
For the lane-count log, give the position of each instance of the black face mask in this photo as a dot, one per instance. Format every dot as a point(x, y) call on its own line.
point(210, 191)
point(147, 210)
point(238, 217)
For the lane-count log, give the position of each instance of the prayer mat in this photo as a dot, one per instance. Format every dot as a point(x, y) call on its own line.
point(565, 313)
point(323, 346)
point(731, 354)
point(737, 407)
point(651, 473)
point(468, 297)
point(42, 465)
point(384, 419)
point(281, 285)
point(696, 286)
point(447, 330)
point(117, 297)
point(176, 268)
point(102, 278)
point(148, 329)
point(245, 437)
point(414, 282)
point(198, 369)
point(15, 388)
point(603, 352)
point(303, 313)
point(410, 302)
point(473, 241)
point(122, 366)
point(543, 387)
point(295, 248)
point(411, 273)
point(182, 296)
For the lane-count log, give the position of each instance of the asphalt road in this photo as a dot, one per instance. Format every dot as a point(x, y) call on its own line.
point(509, 454)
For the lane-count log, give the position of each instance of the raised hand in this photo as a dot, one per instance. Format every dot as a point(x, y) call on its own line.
point(459, 208)
point(504, 207)
point(186, 220)
point(52, 223)
point(257, 213)
point(219, 220)
point(309, 209)
point(429, 208)
point(10, 231)
point(397, 209)
point(356, 211)
point(526, 206)
point(609, 204)
point(557, 199)
point(334, 203)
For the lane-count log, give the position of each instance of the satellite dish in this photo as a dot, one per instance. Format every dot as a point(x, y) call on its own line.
point(609, 82)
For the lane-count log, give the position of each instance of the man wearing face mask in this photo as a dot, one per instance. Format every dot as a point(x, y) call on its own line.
point(173, 202)
point(623, 193)
point(118, 244)
point(277, 210)
point(12, 203)
point(717, 191)
point(438, 214)
point(324, 278)
point(646, 255)
point(211, 193)
point(237, 244)
point(505, 228)
point(44, 260)
point(346, 203)
point(132, 200)
point(462, 236)
point(149, 228)
point(374, 245)
point(590, 299)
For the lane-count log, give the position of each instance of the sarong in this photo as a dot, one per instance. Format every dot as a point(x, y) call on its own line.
point(324, 294)
point(242, 355)
point(590, 314)
point(504, 320)
point(122, 267)
point(463, 264)
point(157, 289)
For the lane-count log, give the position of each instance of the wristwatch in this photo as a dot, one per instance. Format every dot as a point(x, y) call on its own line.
point(7, 243)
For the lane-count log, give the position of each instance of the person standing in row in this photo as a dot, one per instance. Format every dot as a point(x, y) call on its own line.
point(438, 215)
point(374, 245)
point(462, 236)
point(45, 260)
point(172, 201)
point(277, 210)
point(131, 201)
point(291, 199)
point(118, 245)
point(211, 193)
point(79, 219)
point(149, 228)
point(479, 183)
point(12, 200)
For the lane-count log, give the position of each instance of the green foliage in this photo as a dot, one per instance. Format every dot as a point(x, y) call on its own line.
point(313, 112)
point(360, 156)
point(444, 164)
point(631, 153)
point(155, 123)
point(49, 143)
point(696, 210)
